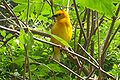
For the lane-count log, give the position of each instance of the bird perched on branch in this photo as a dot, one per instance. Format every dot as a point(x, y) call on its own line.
point(61, 28)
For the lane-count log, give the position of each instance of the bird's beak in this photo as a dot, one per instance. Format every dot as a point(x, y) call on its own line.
point(53, 17)
point(56, 15)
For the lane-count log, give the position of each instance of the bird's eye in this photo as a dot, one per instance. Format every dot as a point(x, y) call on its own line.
point(59, 14)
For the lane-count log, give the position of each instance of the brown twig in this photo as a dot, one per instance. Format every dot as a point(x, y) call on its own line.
point(10, 11)
point(6, 19)
point(75, 54)
point(80, 34)
point(32, 30)
point(75, 37)
point(88, 54)
point(93, 32)
point(78, 17)
point(8, 39)
point(112, 37)
point(88, 22)
point(91, 53)
point(25, 64)
point(90, 74)
point(27, 16)
point(68, 69)
point(71, 52)
point(79, 64)
point(51, 6)
point(99, 53)
point(106, 41)
point(8, 29)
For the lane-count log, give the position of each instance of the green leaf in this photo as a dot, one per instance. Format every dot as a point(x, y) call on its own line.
point(30, 40)
point(35, 57)
point(103, 6)
point(21, 1)
point(61, 40)
point(26, 38)
point(20, 7)
point(42, 71)
point(26, 1)
point(22, 38)
point(3, 33)
point(54, 67)
point(19, 60)
point(116, 1)
point(33, 67)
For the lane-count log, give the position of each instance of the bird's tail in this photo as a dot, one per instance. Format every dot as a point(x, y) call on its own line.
point(57, 54)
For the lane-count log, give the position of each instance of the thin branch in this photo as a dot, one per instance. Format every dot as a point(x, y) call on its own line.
point(79, 64)
point(6, 19)
point(88, 22)
point(51, 6)
point(32, 30)
point(112, 37)
point(38, 32)
point(27, 61)
point(28, 9)
point(68, 69)
point(25, 64)
point(93, 32)
point(75, 37)
point(91, 53)
point(99, 53)
point(10, 11)
point(78, 17)
point(8, 29)
point(90, 74)
point(106, 41)
point(68, 5)
point(38, 63)
point(10, 21)
point(88, 54)
point(8, 39)
point(75, 54)
point(80, 34)
point(71, 52)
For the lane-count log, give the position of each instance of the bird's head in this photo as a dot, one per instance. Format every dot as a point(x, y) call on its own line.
point(61, 14)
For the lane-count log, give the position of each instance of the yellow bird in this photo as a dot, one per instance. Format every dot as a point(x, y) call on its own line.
point(63, 29)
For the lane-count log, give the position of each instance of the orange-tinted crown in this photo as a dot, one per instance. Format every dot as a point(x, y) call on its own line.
point(61, 14)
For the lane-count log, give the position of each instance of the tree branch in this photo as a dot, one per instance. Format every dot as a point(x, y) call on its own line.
point(106, 41)
point(71, 52)
point(78, 17)
point(68, 69)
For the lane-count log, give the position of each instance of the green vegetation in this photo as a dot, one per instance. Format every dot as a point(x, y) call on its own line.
point(25, 47)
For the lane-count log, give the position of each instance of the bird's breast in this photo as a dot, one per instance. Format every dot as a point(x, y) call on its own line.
point(63, 30)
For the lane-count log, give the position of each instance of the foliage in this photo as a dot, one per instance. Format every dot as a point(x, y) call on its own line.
point(12, 53)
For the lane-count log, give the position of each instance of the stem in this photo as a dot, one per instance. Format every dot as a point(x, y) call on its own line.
point(99, 53)
point(75, 38)
point(28, 9)
point(106, 41)
point(24, 76)
point(88, 22)
point(78, 17)
point(68, 69)
point(71, 52)
point(68, 5)
point(27, 61)
point(113, 36)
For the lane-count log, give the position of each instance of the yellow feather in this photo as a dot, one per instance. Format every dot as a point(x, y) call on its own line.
point(63, 29)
